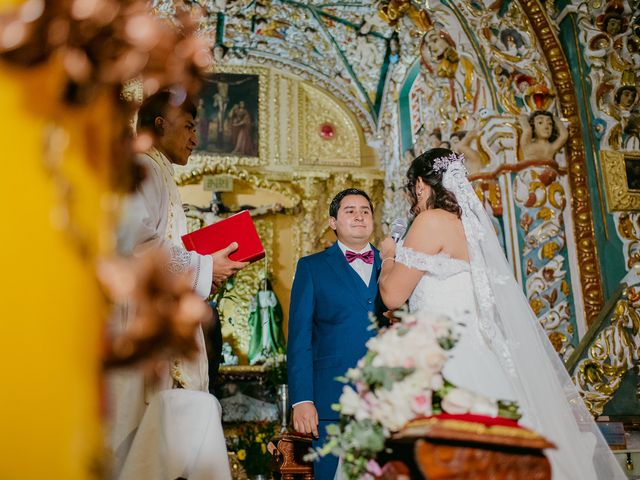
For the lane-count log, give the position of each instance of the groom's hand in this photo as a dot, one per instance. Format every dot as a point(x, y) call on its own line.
point(390, 315)
point(305, 418)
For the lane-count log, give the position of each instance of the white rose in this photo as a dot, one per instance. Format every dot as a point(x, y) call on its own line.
point(350, 401)
point(457, 401)
point(436, 359)
point(484, 406)
point(437, 382)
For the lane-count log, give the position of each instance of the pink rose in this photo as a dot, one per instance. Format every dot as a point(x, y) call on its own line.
point(421, 404)
point(373, 468)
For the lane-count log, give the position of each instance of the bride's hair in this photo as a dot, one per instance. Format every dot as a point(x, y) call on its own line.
point(423, 167)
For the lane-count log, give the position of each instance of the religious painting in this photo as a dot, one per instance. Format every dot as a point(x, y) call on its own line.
point(622, 179)
point(632, 169)
point(229, 115)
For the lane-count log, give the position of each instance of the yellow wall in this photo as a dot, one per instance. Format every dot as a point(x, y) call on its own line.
point(52, 309)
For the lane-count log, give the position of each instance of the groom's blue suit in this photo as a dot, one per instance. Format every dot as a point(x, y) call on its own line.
point(328, 329)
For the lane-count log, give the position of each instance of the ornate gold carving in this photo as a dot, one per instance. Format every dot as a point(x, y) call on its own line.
point(318, 188)
point(317, 108)
point(237, 470)
point(241, 369)
point(619, 196)
point(292, 122)
point(611, 354)
point(424, 425)
point(264, 95)
point(200, 165)
point(587, 254)
point(541, 198)
point(393, 11)
point(365, 119)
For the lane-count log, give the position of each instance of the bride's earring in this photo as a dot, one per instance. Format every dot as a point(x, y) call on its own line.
point(419, 194)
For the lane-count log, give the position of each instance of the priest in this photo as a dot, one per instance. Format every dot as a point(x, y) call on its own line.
point(143, 405)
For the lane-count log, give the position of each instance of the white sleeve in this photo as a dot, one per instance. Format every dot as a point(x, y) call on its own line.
point(144, 217)
point(203, 267)
point(144, 224)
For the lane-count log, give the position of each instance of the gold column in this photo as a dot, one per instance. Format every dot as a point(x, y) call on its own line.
point(587, 253)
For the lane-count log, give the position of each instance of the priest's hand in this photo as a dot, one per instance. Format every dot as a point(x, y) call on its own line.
point(223, 266)
point(305, 418)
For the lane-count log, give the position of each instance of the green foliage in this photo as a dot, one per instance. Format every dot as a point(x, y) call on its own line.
point(356, 442)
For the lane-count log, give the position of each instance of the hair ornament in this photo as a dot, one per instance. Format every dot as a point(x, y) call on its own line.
point(441, 164)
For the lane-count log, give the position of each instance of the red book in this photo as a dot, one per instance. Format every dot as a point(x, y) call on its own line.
point(236, 228)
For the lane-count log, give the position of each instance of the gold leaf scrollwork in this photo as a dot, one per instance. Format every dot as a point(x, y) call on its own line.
point(611, 354)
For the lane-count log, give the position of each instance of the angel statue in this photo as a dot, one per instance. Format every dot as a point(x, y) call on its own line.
point(542, 135)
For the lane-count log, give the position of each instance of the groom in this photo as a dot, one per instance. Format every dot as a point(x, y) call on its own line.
point(333, 293)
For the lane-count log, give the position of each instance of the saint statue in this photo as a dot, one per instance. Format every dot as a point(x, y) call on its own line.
point(265, 321)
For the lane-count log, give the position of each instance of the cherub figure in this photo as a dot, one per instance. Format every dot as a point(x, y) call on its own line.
point(543, 135)
point(626, 96)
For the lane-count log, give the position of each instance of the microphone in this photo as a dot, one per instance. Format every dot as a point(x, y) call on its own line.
point(398, 227)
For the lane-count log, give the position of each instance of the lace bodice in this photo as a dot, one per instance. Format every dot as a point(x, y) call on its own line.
point(445, 285)
point(440, 265)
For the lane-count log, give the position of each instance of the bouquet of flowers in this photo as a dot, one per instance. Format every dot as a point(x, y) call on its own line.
point(250, 446)
point(398, 380)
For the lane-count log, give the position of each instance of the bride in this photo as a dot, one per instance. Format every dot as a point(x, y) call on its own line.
point(451, 262)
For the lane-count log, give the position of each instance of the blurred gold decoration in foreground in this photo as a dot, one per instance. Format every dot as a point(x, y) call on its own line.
point(167, 311)
point(68, 146)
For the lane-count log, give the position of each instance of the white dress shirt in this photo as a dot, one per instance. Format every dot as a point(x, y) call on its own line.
point(362, 268)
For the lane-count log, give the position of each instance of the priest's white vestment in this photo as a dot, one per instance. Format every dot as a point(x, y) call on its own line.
point(154, 217)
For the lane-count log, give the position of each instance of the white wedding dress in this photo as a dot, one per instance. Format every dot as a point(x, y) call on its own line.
point(447, 287)
point(503, 353)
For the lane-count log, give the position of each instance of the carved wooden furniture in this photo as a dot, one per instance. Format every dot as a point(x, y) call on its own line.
point(446, 448)
point(454, 449)
point(287, 452)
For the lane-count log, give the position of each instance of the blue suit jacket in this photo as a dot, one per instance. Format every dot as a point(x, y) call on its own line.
point(328, 326)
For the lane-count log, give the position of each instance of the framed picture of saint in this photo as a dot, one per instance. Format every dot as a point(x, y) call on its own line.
point(229, 115)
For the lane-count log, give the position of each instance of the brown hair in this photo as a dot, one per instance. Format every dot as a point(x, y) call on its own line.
point(422, 167)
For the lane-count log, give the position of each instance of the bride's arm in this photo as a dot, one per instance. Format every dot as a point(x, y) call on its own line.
point(397, 281)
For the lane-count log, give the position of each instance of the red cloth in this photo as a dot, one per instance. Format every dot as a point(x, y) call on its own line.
point(487, 421)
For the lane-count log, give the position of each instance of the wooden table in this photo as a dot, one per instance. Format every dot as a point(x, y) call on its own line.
point(460, 450)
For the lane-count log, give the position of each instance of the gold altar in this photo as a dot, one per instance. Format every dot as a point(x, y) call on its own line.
point(289, 182)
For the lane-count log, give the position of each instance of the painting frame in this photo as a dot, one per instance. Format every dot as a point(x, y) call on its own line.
point(620, 197)
point(204, 156)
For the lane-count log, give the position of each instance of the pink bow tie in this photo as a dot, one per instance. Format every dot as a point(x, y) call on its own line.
point(366, 257)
